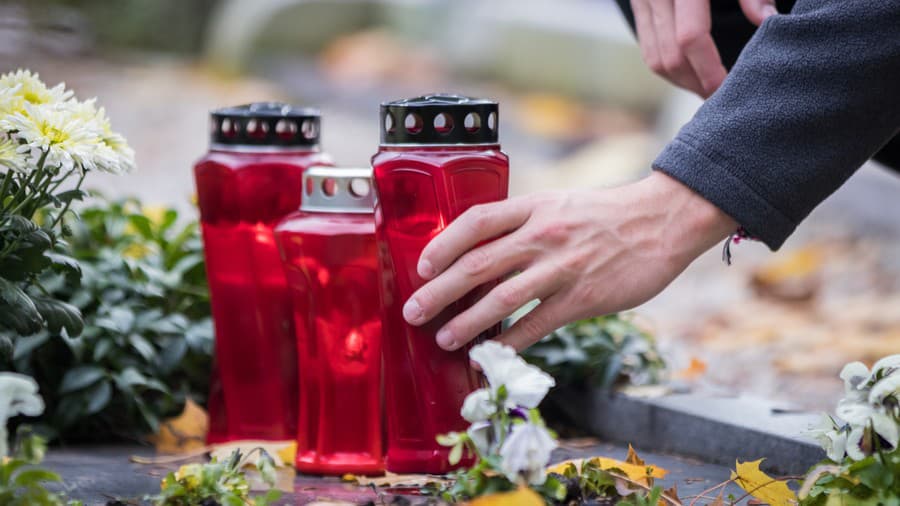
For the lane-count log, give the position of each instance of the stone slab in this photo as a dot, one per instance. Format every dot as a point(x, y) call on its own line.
point(716, 429)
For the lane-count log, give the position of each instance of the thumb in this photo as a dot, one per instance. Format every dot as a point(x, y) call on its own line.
point(758, 10)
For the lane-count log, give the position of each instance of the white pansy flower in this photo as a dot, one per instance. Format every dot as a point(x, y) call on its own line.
point(527, 452)
point(478, 406)
point(831, 437)
point(480, 435)
point(526, 385)
point(68, 140)
point(18, 396)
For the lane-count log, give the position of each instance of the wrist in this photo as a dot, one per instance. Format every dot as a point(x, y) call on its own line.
point(693, 222)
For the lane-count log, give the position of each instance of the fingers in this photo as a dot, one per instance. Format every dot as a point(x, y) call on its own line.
point(499, 303)
point(693, 24)
point(548, 316)
point(477, 224)
point(485, 263)
point(675, 64)
point(758, 10)
point(646, 33)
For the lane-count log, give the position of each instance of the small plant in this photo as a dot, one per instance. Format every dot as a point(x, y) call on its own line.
point(217, 483)
point(147, 342)
point(512, 446)
point(22, 481)
point(48, 139)
point(863, 465)
point(605, 352)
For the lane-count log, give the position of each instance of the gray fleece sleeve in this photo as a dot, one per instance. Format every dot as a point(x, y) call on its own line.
point(814, 94)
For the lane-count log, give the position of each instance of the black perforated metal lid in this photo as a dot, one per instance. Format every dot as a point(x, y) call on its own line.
point(265, 125)
point(439, 119)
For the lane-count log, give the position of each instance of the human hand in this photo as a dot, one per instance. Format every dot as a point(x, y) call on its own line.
point(675, 40)
point(581, 253)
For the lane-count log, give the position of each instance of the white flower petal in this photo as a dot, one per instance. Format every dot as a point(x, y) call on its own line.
point(886, 427)
point(854, 412)
point(854, 375)
point(478, 406)
point(888, 362)
point(480, 434)
point(854, 443)
point(527, 451)
point(884, 388)
point(838, 446)
point(526, 385)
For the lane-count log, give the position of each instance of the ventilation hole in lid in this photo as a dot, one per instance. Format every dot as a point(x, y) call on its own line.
point(472, 122)
point(413, 123)
point(359, 187)
point(309, 129)
point(443, 123)
point(389, 126)
point(286, 129)
point(329, 187)
point(257, 129)
point(492, 121)
point(229, 127)
point(310, 185)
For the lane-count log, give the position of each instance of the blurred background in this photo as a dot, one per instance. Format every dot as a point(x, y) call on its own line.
point(578, 109)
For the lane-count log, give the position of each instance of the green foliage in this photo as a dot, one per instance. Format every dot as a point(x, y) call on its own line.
point(147, 341)
point(606, 351)
point(872, 481)
point(22, 481)
point(32, 210)
point(222, 482)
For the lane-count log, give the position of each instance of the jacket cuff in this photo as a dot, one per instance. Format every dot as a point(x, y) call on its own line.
point(727, 191)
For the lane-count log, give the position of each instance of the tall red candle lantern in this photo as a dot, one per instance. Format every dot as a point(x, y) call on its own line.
point(257, 151)
point(439, 155)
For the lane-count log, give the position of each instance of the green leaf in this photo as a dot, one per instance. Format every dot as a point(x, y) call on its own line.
point(60, 315)
point(98, 396)
point(80, 377)
point(19, 313)
point(71, 196)
point(455, 454)
point(31, 477)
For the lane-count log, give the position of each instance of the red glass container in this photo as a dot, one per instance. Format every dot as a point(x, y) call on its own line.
point(330, 259)
point(439, 155)
point(257, 151)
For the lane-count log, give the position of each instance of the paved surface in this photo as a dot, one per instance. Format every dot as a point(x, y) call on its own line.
point(99, 474)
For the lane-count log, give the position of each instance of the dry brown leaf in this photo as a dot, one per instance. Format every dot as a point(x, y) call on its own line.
point(282, 452)
point(792, 277)
point(396, 480)
point(693, 371)
point(184, 433)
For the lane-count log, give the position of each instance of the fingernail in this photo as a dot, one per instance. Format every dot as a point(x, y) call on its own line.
point(426, 270)
point(445, 339)
point(769, 10)
point(412, 311)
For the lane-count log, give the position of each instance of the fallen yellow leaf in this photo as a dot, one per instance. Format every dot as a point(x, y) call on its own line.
point(523, 496)
point(635, 470)
point(771, 491)
point(183, 433)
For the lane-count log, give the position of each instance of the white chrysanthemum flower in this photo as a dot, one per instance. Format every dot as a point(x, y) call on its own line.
point(113, 153)
point(527, 452)
point(18, 396)
point(526, 385)
point(29, 89)
point(68, 140)
point(10, 157)
point(478, 406)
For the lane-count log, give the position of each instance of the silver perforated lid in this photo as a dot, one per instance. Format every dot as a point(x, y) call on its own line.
point(338, 190)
